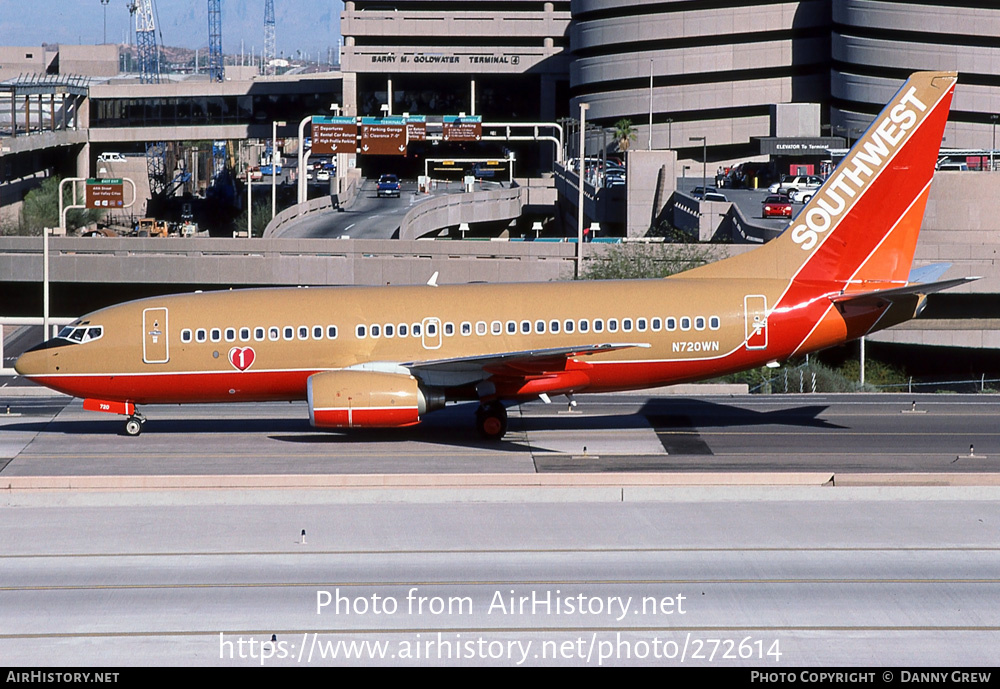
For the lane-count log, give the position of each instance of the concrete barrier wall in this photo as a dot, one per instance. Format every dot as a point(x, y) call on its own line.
point(450, 210)
point(241, 262)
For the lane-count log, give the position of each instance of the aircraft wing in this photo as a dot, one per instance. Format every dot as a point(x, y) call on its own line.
point(533, 359)
point(895, 294)
point(526, 372)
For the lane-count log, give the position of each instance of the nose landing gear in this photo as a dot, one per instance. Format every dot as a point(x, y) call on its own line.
point(134, 423)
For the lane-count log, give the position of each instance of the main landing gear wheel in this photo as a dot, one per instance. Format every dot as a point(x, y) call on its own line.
point(491, 421)
point(133, 426)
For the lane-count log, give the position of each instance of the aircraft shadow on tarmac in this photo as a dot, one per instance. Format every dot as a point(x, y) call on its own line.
point(700, 413)
point(453, 426)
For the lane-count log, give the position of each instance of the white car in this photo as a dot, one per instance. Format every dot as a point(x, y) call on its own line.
point(801, 195)
point(111, 158)
point(789, 184)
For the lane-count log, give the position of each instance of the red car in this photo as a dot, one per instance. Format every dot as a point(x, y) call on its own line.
point(776, 207)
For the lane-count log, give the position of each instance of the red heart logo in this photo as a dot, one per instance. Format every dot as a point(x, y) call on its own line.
point(241, 357)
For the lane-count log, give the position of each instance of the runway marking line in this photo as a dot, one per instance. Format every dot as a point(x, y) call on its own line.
point(559, 582)
point(518, 551)
point(214, 634)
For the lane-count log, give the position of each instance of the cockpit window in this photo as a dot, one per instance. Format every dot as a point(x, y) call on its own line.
point(81, 333)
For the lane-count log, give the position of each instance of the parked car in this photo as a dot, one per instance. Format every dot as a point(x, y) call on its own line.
point(322, 175)
point(801, 195)
point(614, 179)
point(388, 185)
point(789, 184)
point(776, 206)
point(715, 196)
point(111, 157)
point(698, 192)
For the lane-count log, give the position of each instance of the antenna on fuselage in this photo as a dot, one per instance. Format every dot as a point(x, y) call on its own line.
point(433, 282)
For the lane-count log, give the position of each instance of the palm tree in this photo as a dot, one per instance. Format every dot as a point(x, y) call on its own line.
point(624, 134)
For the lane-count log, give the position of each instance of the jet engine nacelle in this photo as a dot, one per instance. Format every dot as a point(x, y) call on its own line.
point(367, 399)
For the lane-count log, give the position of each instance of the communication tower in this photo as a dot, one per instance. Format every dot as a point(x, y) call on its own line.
point(269, 44)
point(216, 68)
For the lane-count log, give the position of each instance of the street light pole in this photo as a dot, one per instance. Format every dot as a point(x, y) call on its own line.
point(105, 4)
point(704, 162)
point(994, 146)
point(579, 204)
point(650, 146)
point(274, 151)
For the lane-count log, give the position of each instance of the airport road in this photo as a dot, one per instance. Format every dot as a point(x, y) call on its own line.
point(903, 577)
point(46, 435)
point(369, 217)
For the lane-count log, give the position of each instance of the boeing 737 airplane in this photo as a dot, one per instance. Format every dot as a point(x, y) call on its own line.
point(378, 357)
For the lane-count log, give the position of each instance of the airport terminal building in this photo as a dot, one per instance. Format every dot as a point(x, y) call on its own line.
point(719, 70)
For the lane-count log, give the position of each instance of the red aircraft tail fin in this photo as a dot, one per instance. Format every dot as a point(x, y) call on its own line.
point(861, 226)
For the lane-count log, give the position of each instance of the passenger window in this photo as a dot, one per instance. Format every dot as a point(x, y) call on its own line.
point(230, 334)
point(699, 323)
point(656, 324)
point(449, 329)
point(496, 327)
point(598, 325)
point(584, 325)
point(511, 327)
point(185, 335)
point(480, 327)
point(244, 334)
point(403, 329)
point(289, 332)
point(200, 335)
point(273, 333)
point(553, 326)
point(714, 323)
point(685, 323)
point(568, 326)
point(671, 324)
point(389, 330)
point(303, 332)
point(640, 325)
point(612, 325)
point(539, 327)
point(375, 330)
point(317, 332)
point(215, 335)
point(466, 328)
point(432, 329)
point(415, 330)
point(627, 325)
point(360, 332)
point(526, 327)
point(331, 332)
point(258, 334)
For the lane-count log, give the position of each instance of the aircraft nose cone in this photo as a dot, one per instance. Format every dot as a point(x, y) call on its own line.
point(30, 363)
